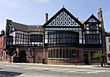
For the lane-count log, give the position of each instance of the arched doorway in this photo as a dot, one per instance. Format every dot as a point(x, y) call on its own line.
point(22, 56)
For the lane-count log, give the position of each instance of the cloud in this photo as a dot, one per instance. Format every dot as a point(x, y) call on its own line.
point(41, 1)
point(12, 4)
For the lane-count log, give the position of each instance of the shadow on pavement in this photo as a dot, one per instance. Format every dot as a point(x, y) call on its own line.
point(106, 66)
point(9, 74)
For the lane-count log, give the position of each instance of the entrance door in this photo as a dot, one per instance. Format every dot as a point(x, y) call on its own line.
point(22, 56)
point(86, 58)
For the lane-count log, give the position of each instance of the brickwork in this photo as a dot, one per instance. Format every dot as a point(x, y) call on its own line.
point(33, 54)
point(3, 56)
point(73, 60)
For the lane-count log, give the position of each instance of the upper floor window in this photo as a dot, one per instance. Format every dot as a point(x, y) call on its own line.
point(93, 26)
point(9, 40)
point(36, 38)
point(92, 38)
point(63, 38)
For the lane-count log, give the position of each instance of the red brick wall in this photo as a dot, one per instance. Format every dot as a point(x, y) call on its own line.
point(72, 60)
point(1, 47)
point(33, 54)
point(2, 52)
point(41, 55)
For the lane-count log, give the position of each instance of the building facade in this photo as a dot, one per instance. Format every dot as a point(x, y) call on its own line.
point(23, 41)
point(108, 47)
point(3, 56)
point(62, 39)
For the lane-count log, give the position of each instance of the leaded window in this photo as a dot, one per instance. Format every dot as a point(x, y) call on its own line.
point(49, 54)
point(93, 26)
point(63, 38)
point(27, 38)
point(92, 38)
point(36, 38)
point(63, 53)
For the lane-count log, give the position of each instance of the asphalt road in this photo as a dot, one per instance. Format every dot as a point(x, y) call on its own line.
point(25, 70)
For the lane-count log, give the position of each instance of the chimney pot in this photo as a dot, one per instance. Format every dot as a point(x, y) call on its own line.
point(100, 10)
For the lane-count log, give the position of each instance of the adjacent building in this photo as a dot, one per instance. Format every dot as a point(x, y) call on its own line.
point(108, 46)
point(3, 56)
point(24, 42)
point(62, 39)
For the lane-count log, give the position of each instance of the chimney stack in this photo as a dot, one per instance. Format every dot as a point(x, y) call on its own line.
point(100, 14)
point(100, 18)
point(46, 17)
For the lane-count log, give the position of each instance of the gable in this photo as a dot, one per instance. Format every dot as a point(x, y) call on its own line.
point(92, 18)
point(63, 18)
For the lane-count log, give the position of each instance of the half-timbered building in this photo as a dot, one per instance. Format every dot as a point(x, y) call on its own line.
point(62, 39)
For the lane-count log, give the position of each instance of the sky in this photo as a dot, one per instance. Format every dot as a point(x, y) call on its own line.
point(32, 12)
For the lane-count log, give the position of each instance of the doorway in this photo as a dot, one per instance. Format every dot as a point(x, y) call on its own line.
point(22, 56)
point(86, 58)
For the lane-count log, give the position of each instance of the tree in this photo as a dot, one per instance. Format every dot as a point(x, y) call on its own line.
point(98, 55)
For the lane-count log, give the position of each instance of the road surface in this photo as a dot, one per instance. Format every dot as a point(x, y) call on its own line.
point(28, 70)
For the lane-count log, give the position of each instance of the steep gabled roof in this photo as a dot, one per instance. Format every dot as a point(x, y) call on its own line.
point(23, 27)
point(35, 28)
point(92, 16)
point(63, 9)
point(19, 26)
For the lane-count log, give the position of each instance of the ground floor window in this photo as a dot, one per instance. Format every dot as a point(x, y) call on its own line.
point(63, 53)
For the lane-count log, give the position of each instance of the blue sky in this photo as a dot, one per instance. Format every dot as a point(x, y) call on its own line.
point(32, 12)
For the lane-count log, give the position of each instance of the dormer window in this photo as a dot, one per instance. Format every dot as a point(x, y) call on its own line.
point(92, 23)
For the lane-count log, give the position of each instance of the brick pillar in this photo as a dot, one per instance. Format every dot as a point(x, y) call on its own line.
point(11, 59)
point(45, 57)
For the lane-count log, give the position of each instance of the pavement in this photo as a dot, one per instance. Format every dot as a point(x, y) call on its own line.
point(52, 70)
point(95, 66)
point(69, 65)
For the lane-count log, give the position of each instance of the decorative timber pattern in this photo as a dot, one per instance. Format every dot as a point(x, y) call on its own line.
point(63, 19)
point(92, 20)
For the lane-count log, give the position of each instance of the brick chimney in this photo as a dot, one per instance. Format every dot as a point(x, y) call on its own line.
point(100, 18)
point(46, 17)
point(100, 14)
